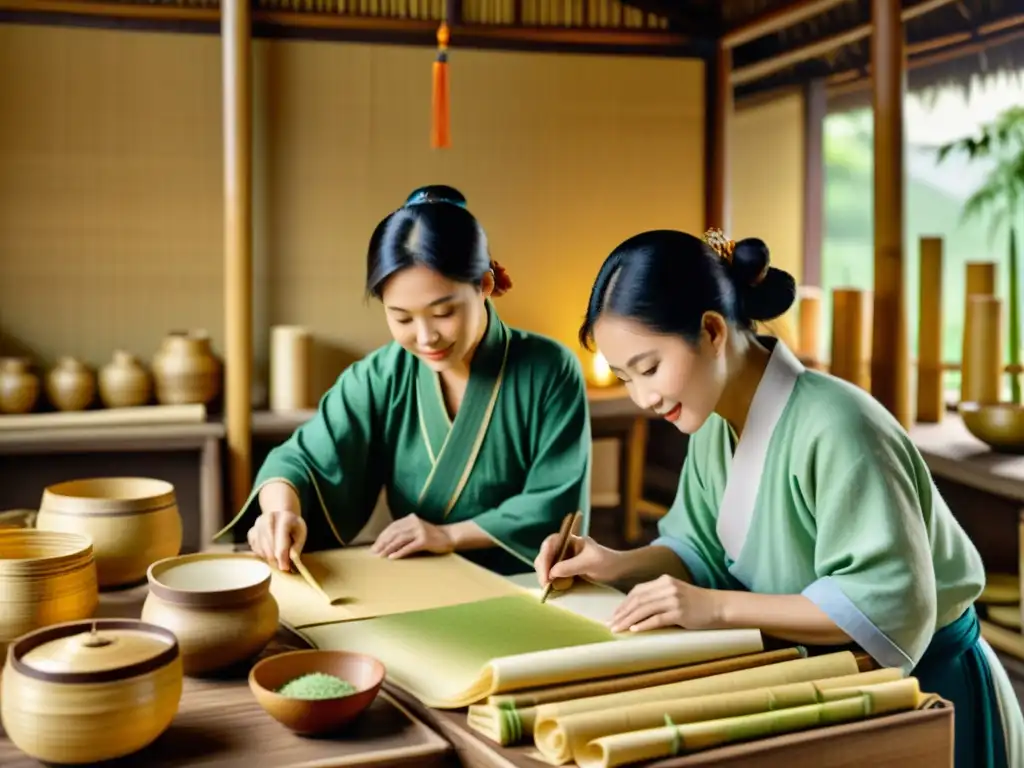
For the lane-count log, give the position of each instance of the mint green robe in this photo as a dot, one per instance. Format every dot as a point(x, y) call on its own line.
point(825, 495)
point(515, 460)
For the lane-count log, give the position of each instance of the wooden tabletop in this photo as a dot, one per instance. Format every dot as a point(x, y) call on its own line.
point(220, 724)
point(953, 453)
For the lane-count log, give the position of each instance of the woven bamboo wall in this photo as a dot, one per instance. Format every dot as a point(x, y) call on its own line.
point(110, 179)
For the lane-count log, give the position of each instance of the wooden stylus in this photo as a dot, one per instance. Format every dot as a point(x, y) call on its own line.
point(566, 533)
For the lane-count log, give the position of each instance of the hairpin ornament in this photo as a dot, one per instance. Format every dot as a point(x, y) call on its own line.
point(721, 245)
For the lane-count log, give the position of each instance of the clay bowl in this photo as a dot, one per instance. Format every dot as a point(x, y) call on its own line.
point(46, 577)
point(218, 605)
point(998, 425)
point(319, 716)
point(132, 521)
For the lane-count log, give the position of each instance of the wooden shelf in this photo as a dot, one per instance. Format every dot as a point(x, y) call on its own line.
point(153, 437)
point(953, 453)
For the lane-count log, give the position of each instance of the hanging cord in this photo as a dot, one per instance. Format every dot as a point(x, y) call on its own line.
point(440, 129)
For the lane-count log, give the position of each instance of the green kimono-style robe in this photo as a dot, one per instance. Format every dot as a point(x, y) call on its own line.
point(515, 460)
point(826, 495)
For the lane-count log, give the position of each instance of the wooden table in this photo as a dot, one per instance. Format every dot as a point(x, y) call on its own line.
point(220, 724)
point(993, 514)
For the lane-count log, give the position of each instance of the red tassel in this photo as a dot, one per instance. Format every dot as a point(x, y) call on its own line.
point(440, 130)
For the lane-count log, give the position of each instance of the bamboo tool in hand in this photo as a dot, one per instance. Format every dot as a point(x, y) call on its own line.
point(563, 545)
point(309, 578)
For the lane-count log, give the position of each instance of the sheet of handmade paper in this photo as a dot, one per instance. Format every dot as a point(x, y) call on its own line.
point(438, 654)
point(595, 601)
point(362, 585)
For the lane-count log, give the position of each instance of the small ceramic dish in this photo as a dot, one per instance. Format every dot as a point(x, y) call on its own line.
point(310, 717)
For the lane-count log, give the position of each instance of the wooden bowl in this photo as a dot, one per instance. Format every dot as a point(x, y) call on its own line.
point(46, 577)
point(89, 691)
point(218, 604)
point(133, 522)
point(998, 425)
point(316, 716)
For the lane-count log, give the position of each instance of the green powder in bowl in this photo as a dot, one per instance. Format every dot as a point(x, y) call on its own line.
point(317, 685)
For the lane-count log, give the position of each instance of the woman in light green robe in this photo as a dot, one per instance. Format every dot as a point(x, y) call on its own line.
point(479, 433)
point(803, 509)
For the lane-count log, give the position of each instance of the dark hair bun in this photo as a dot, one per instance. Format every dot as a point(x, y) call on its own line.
point(765, 292)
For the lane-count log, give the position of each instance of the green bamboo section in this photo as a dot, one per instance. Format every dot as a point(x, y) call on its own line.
point(567, 14)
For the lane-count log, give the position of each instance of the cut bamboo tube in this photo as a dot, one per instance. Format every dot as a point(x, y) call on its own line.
point(810, 324)
point(930, 403)
point(981, 280)
point(982, 367)
point(290, 360)
point(851, 336)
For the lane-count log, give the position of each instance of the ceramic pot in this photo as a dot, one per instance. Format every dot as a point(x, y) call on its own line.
point(185, 370)
point(19, 387)
point(70, 385)
point(124, 383)
point(218, 606)
point(45, 578)
point(90, 691)
point(132, 521)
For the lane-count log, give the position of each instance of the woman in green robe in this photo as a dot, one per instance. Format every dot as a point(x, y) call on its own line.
point(479, 433)
point(803, 508)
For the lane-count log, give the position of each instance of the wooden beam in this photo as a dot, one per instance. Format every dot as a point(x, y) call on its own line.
point(890, 351)
point(357, 27)
point(777, 20)
point(717, 130)
point(928, 52)
point(236, 46)
point(762, 69)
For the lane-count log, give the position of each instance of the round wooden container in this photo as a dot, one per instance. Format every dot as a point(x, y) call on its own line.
point(46, 578)
point(87, 691)
point(218, 605)
point(132, 521)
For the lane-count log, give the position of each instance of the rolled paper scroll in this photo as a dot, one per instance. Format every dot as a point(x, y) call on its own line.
point(797, 671)
point(837, 706)
point(566, 738)
point(507, 718)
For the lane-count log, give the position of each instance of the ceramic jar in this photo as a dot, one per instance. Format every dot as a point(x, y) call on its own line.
point(46, 578)
point(219, 607)
point(124, 382)
point(132, 521)
point(90, 691)
point(185, 370)
point(19, 387)
point(70, 385)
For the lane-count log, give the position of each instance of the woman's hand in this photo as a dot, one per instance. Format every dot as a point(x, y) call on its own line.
point(583, 557)
point(275, 534)
point(667, 602)
point(410, 534)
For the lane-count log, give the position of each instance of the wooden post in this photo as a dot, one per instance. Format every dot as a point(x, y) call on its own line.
point(717, 125)
point(236, 50)
point(890, 359)
point(931, 404)
point(851, 336)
